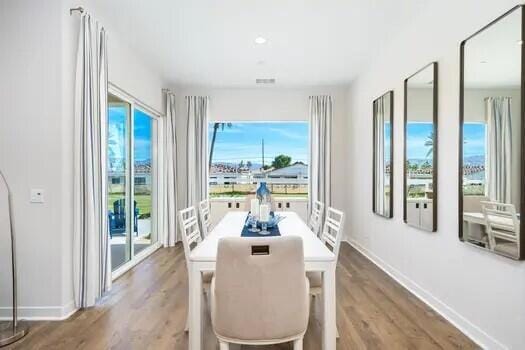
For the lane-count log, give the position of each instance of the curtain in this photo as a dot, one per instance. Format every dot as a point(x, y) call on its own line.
point(91, 253)
point(320, 110)
point(170, 161)
point(499, 149)
point(379, 130)
point(197, 151)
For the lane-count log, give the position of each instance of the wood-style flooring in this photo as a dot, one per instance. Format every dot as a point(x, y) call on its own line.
point(146, 309)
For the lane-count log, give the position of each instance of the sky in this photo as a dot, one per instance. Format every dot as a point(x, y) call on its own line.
point(474, 139)
point(243, 142)
point(418, 134)
point(117, 134)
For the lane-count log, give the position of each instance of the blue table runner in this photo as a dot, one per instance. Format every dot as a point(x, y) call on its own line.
point(274, 231)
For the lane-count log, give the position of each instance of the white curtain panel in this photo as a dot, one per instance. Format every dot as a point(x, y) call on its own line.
point(499, 149)
point(170, 161)
point(197, 151)
point(379, 126)
point(320, 110)
point(91, 253)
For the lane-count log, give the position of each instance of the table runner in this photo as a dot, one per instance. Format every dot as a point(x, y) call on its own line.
point(274, 231)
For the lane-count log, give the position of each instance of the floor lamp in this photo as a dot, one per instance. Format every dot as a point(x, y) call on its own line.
point(15, 331)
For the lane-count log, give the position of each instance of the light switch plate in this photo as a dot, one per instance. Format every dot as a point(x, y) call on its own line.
point(37, 195)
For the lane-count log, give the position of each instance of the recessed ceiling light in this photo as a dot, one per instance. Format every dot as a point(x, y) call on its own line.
point(260, 40)
point(261, 62)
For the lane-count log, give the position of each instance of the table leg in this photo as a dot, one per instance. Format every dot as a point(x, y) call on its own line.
point(195, 290)
point(329, 307)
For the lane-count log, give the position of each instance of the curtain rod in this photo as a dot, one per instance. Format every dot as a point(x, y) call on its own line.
point(74, 9)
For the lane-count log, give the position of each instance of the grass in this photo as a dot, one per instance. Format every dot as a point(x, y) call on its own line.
point(143, 202)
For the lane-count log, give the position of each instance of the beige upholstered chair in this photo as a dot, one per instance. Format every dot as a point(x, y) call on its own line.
point(331, 237)
point(503, 228)
point(191, 237)
point(204, 213)
point(316, 218)
point(259, 294)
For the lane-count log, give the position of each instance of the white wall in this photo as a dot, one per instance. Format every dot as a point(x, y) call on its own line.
point(480, 292)
point(38, 43)
point(266, 104)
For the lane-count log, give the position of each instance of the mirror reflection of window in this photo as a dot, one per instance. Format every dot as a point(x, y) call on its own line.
point(382, 124)
point(420, 136)
point(492, 137)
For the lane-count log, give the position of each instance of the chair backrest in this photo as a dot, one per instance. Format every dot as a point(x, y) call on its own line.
point(316, 218)
point(190, 231)
point(204, 213)
point(333, 229)
point(260, 292)
point(502, 223)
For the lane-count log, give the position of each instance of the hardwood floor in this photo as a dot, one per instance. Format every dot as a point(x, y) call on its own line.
point(146, 309)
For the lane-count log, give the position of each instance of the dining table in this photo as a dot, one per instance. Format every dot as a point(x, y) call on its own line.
point(317, 258)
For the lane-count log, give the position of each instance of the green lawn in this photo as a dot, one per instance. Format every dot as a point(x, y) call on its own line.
point(143, 202)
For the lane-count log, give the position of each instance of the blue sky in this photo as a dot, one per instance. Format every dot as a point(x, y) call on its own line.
point(474, 139)
point(243, 141)
point(418, 134)
point(117, 134)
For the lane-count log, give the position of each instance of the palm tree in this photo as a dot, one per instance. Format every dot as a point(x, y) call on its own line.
point(216, 127)
point(430, 143)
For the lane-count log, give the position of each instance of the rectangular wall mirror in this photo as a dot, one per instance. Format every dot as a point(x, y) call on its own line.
point(420, 166)
point(491, 137)
point(383, 118)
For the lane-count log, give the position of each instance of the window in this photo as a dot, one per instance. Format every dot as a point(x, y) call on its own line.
point(245, 153)
point(419, 160)
point(132, 171)
point(474, 158)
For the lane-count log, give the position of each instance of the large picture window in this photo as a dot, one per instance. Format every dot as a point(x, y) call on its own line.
point(474, 158)
point(243, 154)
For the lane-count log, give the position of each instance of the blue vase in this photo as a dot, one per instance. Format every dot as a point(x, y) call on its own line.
point(263, 194)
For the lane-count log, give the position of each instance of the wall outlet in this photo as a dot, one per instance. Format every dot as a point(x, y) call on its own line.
point(37, 196)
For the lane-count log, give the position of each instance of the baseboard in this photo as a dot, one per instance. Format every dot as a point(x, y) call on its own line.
point(477, 335)
point(40, 313)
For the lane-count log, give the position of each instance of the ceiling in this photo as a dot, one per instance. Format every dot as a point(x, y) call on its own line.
point(493, 57)
point(212, 43)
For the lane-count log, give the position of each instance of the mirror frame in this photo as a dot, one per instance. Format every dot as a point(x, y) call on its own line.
point(461, 121)
point(374, 152)
point(434, 66)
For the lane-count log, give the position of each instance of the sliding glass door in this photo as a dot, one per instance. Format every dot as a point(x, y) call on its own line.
point(144, 134)
point(118, 154)
point(132, 181)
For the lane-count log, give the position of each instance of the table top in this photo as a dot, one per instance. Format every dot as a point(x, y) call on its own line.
point(231, 226)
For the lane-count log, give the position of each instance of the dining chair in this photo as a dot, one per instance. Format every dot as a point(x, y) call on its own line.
point(316, 218)
point(191, 237)
point(331, 237)
point(204, 213)
point(503, 227)
point(259, 294)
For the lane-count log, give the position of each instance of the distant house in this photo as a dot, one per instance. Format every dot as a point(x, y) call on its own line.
point(294, 174)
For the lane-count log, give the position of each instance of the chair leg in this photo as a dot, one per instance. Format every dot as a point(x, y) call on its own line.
point(297, 344)
point(224, 346)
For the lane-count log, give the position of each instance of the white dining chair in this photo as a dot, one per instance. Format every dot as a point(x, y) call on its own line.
point(316, 218)
point(259, 294)
point(191, 237)
point(331, 237)
point(503, 227)
point(205, 216)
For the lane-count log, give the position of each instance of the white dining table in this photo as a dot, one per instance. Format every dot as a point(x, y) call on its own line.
point(317, 257)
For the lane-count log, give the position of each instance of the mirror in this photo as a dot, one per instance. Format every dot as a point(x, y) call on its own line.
point(420, 170)
point(491, 148)
point(383, 113)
